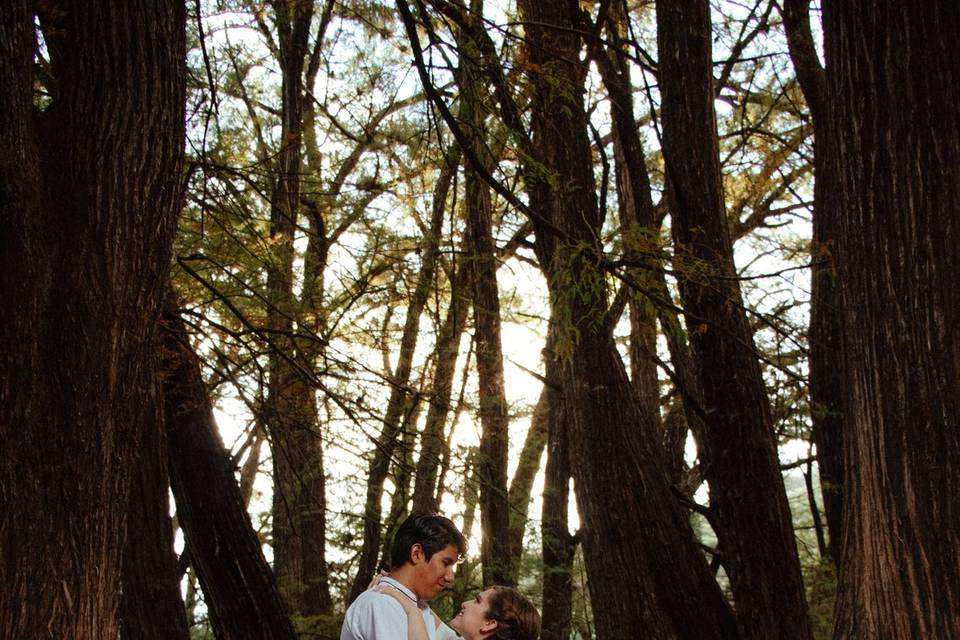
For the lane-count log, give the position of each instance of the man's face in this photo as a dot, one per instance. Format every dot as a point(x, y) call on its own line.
point(471, 621)
point(433, 575)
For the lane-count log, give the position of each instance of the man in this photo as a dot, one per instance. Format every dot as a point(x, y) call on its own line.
point(423, 559)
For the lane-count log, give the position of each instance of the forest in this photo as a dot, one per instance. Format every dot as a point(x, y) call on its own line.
point(655, 299)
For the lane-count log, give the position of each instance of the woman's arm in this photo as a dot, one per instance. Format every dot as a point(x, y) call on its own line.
point(416, 625)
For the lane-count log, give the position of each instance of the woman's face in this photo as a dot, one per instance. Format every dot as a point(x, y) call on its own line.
point(472, 622)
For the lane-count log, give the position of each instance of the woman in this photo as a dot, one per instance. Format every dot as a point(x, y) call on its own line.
point(497, 613)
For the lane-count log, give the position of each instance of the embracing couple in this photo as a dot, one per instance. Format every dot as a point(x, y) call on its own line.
point(423, 558)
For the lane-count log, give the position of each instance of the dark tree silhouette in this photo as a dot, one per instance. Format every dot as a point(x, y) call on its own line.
point(89, 196)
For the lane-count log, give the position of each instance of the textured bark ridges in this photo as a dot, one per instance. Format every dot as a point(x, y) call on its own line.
point(88, 205)
point(151, 607)
point(893, 89)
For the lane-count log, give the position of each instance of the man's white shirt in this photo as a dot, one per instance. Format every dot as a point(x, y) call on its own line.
point(378, 616)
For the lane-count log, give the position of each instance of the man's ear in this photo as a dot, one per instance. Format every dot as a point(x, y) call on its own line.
point(416, 553)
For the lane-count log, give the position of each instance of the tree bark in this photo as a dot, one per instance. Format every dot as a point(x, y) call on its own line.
point(239, 588)
point(432, 445)
point(151, 606)
point(893, 85)
point(299, 493)
point(642, 562)
point(739, 452)
point(826, 330)
point(521, 485)
point(481, 252)
point(89, 196)
point(557, 543)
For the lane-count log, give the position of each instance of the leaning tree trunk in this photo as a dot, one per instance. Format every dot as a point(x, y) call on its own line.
point(432, 445)
point(739, 452)
point(402, 473)
point(825, 334)
point(650, 298)
point(239, 588)
point(463, 585)
point(521, 484)
point(893, 88)
point(89, 195)
point(642, 561)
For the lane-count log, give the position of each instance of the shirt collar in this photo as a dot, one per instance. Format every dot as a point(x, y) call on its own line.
point(402, 589)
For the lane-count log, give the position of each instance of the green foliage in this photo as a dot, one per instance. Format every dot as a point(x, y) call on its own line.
point(579, 299)
point(318, 627)
point(821, 581)
point(202, 631)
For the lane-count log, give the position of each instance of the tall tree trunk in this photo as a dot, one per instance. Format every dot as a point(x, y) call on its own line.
point(521, 485)
point(402, 475)
point(251, 466)
point(432, 445)
point(557, 543)
point(306, 555)
point(399, 396)
point(739, 452)
point(614, 449)
point(239, 589)
point(637, 222)
point(651, 299)
point(299, 493)
point(826, 330)
point(89, 196)
point(451, 434)
point(494, 421)
point(151, 606)
point(893, 87)
point(463, 585)
point(814, 509)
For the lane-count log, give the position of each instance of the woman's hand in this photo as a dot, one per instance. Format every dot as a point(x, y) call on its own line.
point(408, 605)
point(416, 625)
point(376, 579)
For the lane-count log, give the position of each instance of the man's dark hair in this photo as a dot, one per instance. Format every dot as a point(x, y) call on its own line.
point(431, 531)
